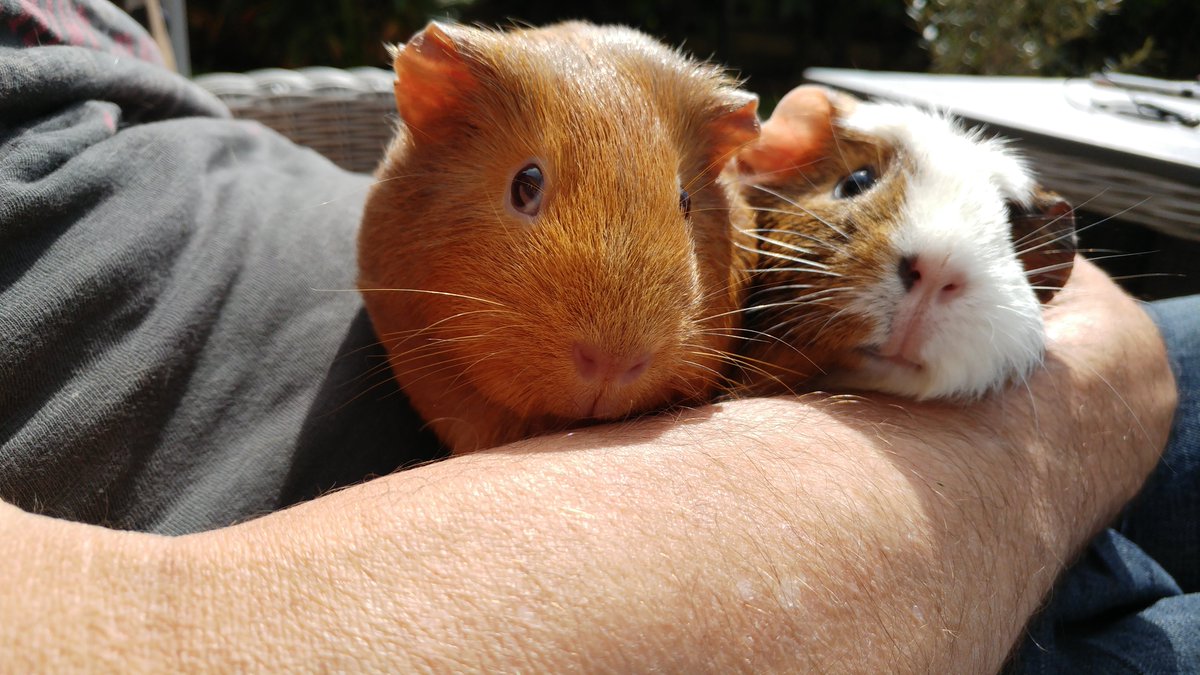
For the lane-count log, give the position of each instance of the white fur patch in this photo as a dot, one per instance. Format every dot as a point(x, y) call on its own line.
point(955, 211)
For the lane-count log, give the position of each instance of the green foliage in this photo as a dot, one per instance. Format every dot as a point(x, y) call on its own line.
point(238, 35)
point(1058, 37)
point(1152, 37)
point(1022, 37)
point(770, 41)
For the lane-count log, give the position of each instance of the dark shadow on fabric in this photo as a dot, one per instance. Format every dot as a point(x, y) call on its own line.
point(360, 426)
point(1097, 619)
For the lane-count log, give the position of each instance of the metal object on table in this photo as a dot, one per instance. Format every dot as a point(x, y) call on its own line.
point(1146, 97)
point(1181, 88)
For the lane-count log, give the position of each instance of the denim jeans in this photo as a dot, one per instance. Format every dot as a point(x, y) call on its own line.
point(1131, 604)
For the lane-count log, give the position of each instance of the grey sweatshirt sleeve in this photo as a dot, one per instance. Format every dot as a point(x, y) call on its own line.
point(178, 349)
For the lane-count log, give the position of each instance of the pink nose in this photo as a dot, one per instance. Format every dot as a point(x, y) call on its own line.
point(929, 275)
point(594, 363)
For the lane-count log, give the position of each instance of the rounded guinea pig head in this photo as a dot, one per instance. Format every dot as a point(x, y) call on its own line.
point(897, 251)
point(554, 209)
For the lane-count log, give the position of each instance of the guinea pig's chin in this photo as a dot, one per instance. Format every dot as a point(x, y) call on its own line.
point(941, 378)
point(885, 376)
point(606, 404)
point(572, 401)
point(890, 375)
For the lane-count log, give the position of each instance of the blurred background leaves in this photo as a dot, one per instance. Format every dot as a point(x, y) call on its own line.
point(1060, 37)
point(769, 41)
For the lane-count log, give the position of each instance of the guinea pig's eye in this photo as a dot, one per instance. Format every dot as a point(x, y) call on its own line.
point(855, 184)
point(685, 202)
point(525, 193)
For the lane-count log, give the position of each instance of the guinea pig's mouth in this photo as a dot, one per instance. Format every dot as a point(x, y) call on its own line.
point(588, 405)
point(595, 410)
point(605, 407)
point(874, 356)
point(609, 404)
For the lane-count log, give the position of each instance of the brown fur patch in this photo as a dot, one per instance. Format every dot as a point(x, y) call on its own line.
point(800, 311)
point(1045, 240)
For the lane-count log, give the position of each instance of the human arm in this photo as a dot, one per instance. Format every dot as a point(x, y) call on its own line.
point(852, 534)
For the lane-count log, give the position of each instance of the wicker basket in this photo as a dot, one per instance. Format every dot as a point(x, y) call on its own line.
point(347, 115)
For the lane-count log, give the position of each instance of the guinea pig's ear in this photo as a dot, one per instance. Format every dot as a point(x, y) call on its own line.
point(799, 132)
point(735, 125)
point(432, 76)
point(1044, 236)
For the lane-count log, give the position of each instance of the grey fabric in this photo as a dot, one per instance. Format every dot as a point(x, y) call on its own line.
point(167, 360)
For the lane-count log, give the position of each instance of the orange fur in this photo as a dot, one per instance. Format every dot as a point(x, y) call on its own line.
point(480, 309)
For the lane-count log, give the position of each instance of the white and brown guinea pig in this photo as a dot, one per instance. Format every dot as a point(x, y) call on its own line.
point(554, 233)
point(898, 252)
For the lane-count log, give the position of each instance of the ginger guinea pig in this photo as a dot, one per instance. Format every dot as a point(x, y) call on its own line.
point(897, 252)
point(553, 235)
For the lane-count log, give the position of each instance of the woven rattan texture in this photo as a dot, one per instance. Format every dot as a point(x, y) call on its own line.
point(346, 115)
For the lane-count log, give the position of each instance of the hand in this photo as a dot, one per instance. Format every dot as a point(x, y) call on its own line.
point(1107, 363)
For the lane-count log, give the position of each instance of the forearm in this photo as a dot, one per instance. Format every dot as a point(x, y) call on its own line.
point(857, 546)
point(857, 535)
point(853, 545)
point(78, 598)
